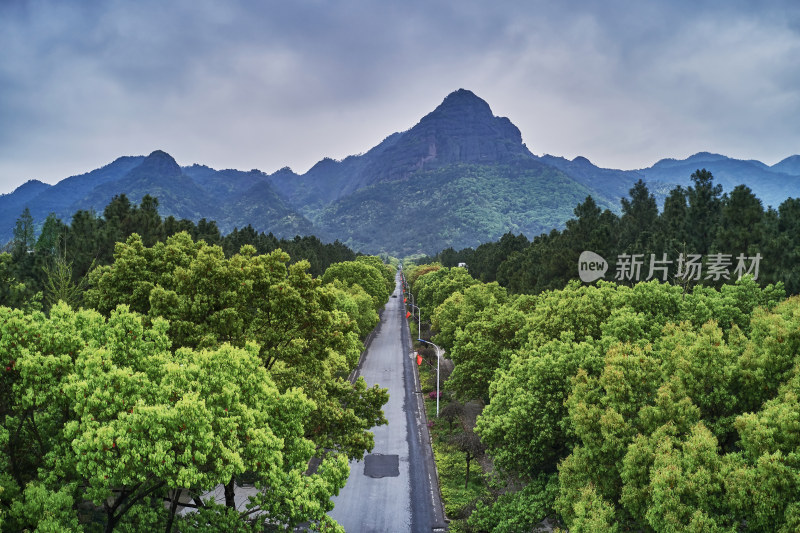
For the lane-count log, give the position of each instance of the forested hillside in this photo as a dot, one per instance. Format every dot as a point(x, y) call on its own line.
point(36, 264)
point(459, 177)
point(695, 224)
point(462, 204)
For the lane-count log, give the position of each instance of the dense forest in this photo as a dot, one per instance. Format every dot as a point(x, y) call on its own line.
point(137, 378)
point(621, 406)
point(45, 257)
point(614, 408)
point(695, 221)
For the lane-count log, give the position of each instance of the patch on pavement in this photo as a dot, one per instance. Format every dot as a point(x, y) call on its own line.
point(379, 465)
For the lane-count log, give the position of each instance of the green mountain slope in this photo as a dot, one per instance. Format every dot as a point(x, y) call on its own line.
point(262, 208)
point(459, 177)
point(458, 205)
point(159, 176)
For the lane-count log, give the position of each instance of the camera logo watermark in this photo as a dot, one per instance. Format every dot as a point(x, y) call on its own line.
point(591, 267)
point(629, 267)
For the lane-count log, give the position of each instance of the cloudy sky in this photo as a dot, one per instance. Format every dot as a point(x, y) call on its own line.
point(266, 84)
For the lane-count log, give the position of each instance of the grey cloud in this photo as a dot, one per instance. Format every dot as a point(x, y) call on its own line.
point(265, 84)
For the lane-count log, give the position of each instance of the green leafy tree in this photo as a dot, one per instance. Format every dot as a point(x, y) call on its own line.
point(59, 284)
point(357, 304)
point(13, 292)
point(703, 211)
point(303, 339)
point(673, 237)
point(435, 287)
point(386, 271)
point(639, 221)
point(365, 274)
point(524, 427)
point(486, 345)
point(741, 223)
point(24, 234)
point(461, 308)
point(103, 411)
point(51, 236)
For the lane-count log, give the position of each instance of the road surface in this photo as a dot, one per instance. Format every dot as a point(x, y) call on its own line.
point(394, 489)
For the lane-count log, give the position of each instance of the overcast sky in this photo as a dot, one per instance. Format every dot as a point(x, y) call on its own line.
point(267, 84)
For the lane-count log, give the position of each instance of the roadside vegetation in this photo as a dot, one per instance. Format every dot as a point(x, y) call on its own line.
point(652, 406)
point(172, 368)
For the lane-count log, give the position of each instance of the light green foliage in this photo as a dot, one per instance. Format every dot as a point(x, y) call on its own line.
point(303, 338)
point(522, 426)
point(357, 304)
point(654, 409)
point(49, 511)
point(433, 288)
point(687, 484)
point(452, 470)
point(484, 346)
point(771, 355)
point(592, 513)
point(460, 309)
point(105, 405)
point(707, 369)
point(59, 284)
point(763, 482)
point(515, 511)
point(478, 332)
point(578, 310)
point(203, 370)
point(370, 277)
point(415, 272)
point(387, 271)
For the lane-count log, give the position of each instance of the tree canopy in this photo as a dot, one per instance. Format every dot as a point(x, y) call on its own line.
point(193, 370)
point(645, 407)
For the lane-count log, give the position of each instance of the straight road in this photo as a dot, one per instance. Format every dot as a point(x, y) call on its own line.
point(394, 489)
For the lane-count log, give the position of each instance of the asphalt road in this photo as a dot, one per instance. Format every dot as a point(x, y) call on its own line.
point(394, 490)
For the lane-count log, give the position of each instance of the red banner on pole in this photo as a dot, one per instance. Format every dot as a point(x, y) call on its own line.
point(419, 359)
point(408, 314)
point(405, 300)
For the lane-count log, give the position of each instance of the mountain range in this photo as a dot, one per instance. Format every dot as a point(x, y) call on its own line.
point(460, 177)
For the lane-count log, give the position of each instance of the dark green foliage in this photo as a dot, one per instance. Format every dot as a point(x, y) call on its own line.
point(24, 237)
point(698, 220)
point(702, 215)
point(40, 265)
point(638, 225)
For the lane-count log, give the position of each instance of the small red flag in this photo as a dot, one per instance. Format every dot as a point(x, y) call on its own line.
point(408, 314)
point(405, 300)
point(419, 359)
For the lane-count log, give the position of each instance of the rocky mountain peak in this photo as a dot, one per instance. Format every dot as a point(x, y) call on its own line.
point(462, 129)
point(465, 103)
point(158, 163)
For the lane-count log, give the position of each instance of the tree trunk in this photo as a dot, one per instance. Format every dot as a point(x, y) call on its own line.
point(230, 492)
point(466, 480)
point(172, 508)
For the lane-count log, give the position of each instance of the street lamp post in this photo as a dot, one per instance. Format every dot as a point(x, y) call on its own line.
point(438, 358)
point(419, 320)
